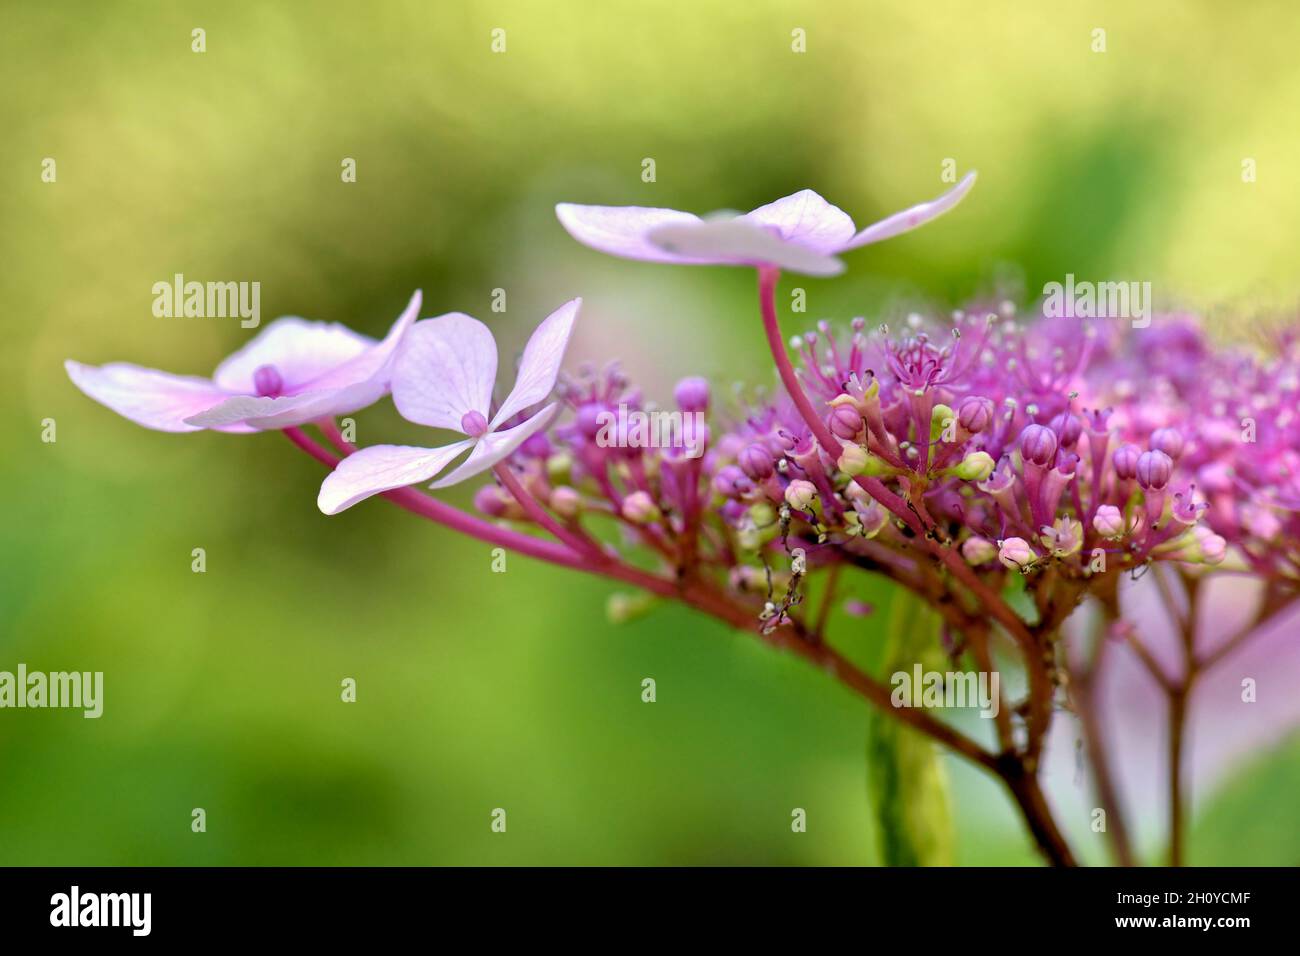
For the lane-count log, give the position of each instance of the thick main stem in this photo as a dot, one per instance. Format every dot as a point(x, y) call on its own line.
point(1029, 797)
point(1177, 723)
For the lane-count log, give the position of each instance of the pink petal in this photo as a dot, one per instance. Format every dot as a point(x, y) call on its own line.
point(540, 363)
point(494, 446)
point(147, 396)
point(808, 220)
point(741, 241)
point(381, 468)
point(375, 363)
point(445, 368)
point(909, 219)
point(622, 230)
point(300, 351)
point(350, 387)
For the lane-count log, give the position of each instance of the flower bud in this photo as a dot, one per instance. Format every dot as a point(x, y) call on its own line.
point(976, 466)
point(845, 422)
point(756, 462)
point(1109, 521)
point(1016, 552)
point(941, 418)
point(853, 459)
point(692, 395)
point(975, 413)
point(1169, 441)
point(978, 550)
point(800, 494)
point(559, 467)
point(639, 508)
point(1213, 548)
point(565, 501)
point(1153, 470)
point(490, 501)
point(731, 482)
point(1038, 445)
point(1126, 460)
point(1068, 428)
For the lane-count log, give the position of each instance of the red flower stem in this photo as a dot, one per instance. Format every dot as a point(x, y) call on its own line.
point(539, 514)
point(436, 511)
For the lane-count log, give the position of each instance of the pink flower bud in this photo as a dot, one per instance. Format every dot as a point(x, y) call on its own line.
point(1153, 470)
point(1068, 428)
point(639, 508)
point(1109, 521)
point(845, 422)
point(1038, 445)
point(565, 501)
point(1169, 441)
point(1016, 552)
point(692, 395)
point(756, 462)
point(1126, 460)
point(975, 413)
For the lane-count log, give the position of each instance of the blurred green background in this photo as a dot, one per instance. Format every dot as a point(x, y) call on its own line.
point(480, 690)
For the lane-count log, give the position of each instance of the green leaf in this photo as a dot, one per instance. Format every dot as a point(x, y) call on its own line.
point(906, 781)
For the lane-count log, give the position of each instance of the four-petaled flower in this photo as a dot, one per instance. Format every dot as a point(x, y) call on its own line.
point(293, 372)
point(800, 233)
point(443, 378)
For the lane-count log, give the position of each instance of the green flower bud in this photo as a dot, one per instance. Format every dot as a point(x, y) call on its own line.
point(854, 460)
point(976, 466)
point(941, 418)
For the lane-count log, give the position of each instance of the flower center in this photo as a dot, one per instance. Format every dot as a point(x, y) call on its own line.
point(473, 424)
point(267, 381)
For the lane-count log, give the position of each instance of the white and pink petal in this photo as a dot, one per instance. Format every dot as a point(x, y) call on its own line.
point(624, 230)
point(445, 368)
point(805, 218)
point(381, 468)
point(909, 219)
point(740, 241)
point(300, 350)
point(149, 397)
point(540, 364)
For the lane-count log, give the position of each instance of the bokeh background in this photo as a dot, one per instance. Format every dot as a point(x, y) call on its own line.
point(481, 690)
